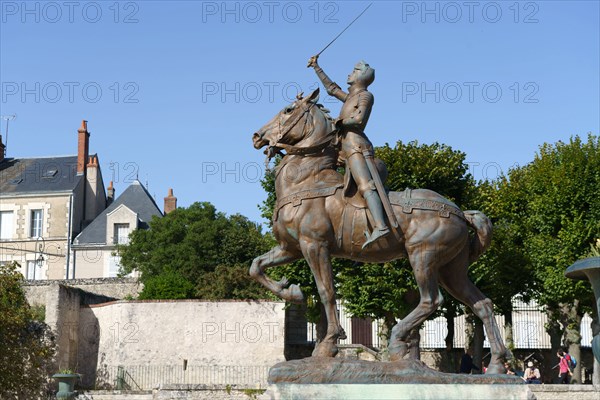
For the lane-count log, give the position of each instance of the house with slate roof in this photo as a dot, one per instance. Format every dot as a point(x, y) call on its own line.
point(44, 203)
point(94, 248)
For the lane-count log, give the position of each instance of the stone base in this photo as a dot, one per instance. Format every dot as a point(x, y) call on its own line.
point(344, 371)
point(398, 392)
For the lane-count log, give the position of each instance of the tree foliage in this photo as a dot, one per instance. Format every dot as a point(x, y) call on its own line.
point(433, 166)
point(552, 208)
point(27, 345)
point(195, 252)
point(504, 270)
point(563, 214)
point(230, 282)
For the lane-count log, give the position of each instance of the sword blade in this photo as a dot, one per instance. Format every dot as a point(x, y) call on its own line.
point(340, 34)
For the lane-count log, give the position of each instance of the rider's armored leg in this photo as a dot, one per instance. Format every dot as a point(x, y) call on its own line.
point(366, 187)
point(376, 208)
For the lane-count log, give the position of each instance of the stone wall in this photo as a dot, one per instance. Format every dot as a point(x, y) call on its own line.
point(115, 288)
point(62, 316)
point(564, 392)
point(145, 343)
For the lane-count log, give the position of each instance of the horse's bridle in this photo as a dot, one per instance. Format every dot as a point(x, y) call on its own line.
point(292, 124)
point(273, 148)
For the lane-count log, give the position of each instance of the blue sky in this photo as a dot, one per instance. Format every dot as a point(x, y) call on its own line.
point(174, 90)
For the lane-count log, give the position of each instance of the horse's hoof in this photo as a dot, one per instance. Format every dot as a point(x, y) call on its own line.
point(325, 349)
point(293, 294)
point(495, 369)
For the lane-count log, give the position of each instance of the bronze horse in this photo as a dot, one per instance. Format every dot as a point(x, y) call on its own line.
point(316, 219)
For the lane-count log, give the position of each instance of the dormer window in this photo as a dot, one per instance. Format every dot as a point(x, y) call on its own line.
point(121, 235)
point(49, 173)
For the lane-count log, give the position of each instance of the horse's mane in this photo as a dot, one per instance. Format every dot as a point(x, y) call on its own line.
point(325, 111)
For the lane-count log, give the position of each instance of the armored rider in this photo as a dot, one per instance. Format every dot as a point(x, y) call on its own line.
point(355, 145)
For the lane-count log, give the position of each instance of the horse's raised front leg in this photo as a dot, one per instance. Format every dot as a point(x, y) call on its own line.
point(317, 255)
point(274, 257)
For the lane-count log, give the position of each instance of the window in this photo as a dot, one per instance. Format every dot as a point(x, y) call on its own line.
point(33, 271)
point(121, 234)
point(49, 173)
point(36, 224)
point(114, 264)
point(6, 224)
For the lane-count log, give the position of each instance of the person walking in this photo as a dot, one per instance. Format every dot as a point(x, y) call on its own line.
point(564, 371)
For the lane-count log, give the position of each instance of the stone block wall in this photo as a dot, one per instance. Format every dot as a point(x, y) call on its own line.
point(63, 305)
point(145, 343)
point(115, 288)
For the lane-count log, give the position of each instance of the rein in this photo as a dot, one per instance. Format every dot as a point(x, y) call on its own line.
point(308, 150)
point(297, 150)
point(292, 124)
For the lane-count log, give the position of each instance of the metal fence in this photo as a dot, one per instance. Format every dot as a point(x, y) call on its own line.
point(146, 377)
point(529, 320)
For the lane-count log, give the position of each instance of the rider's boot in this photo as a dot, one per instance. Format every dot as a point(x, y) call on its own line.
point(376, 208)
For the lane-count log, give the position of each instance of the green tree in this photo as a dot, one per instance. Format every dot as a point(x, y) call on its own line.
point(563, 214)
point(230, 282)
point(504, 271)
point(195, 252)
point(550, 210)
point(27, 347)
point(433, 166)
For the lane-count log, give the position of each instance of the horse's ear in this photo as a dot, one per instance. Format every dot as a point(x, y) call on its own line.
point(313, 97)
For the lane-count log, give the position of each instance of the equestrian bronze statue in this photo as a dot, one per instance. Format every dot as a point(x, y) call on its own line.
point(317, 217)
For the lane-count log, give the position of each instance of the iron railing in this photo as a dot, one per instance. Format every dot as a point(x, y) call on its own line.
point(147, 377)
point(529, 321)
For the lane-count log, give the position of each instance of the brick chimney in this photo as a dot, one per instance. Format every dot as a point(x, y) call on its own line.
point(83, 148)
point(110, 194)
point(2, 149)
point(170, 202)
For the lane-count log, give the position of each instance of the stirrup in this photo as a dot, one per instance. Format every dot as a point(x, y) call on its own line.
point(376, 234)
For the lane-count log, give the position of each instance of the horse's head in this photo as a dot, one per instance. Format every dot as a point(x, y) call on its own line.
point(301, 121)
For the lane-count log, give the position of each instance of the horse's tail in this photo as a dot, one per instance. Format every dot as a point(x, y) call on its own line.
point(482, 239)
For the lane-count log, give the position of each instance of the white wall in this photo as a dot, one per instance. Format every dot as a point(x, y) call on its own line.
point(151, 337)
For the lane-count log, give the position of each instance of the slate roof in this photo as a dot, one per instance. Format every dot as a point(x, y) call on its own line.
point(135, 197)
point(38, 175)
